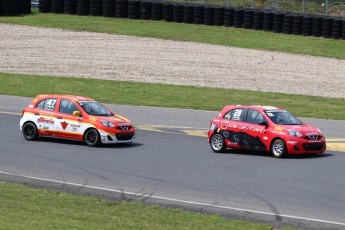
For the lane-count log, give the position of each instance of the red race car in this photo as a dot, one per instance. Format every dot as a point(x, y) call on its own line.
point(74, 117)
point(264, 128)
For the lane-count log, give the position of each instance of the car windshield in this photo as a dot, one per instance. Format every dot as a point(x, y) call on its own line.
point(94, 108)
point(282, 117)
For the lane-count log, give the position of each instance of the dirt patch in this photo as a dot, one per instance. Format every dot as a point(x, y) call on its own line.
point(57, 52)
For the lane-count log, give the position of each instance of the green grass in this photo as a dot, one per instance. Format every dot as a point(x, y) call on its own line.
point(26, 208)
point(200, 98)
point(226, 36)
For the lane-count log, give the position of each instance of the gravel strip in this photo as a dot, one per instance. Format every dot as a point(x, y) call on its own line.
point(57, 52)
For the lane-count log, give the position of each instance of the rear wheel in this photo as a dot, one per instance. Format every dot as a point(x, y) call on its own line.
point(29, 131)
point(92, 138)
point(217, 143)
point(278, 148)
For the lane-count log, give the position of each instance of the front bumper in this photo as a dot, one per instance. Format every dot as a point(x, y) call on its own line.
point(302, 146)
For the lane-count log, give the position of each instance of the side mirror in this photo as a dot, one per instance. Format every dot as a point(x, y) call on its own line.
point(76, 113)
point(263, 123)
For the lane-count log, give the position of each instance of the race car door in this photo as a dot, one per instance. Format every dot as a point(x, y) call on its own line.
point(45, 116)
point(68, 125)
point(231, 127)
point(254, 133)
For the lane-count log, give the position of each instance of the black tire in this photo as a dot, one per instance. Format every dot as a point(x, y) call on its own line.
point(29, 131)
point(92, 138)
point(217, 143)
point(278, 148)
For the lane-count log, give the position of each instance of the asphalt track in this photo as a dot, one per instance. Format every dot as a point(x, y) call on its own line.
point(171, 164)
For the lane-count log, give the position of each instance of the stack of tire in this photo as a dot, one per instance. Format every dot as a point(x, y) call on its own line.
point(317, 26)
point(168, 12)
point(268, 21)
point(70, 6)
point(121, 8)
point(178, 13)
point(44, 6)
point(258, 19)
point(133, 9)
point(228, 16)
point(288, 24)
point(96, 7)
point(248, 19)
point(337, 28)
point(188, 14)
point(145, 10)
point(57, 6)
point(199, 12)
point(14, 7)
point(108, 8)
point(307, 25)
point(209, 16)
point(297, 27)
point(83, 7)
point(278, 22)
point(157, 11)
point(219, 16)
point(238, 18)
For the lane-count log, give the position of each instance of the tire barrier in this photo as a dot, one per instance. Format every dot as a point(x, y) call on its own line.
point(288, 23)
point(297, 27)
point(168, 12)
point(108, 8)
point(248, 19)
point(209, 16)
point(337, 27)
point(317, 27)
point(229, 16)
point(199, 14)
point(83, 7)
point(57, 6)
point(307, 26)
point(178, 13)
point(188, 14)
point(278, 22)
point(238, 18)
point(268, 21)
point(70, 6)
point(145, 10)
point(14, 7)
point(258, 20)
point(327, 27)
point(134, 9)
point(219, 16)
point(157, 11)
point(96, 7)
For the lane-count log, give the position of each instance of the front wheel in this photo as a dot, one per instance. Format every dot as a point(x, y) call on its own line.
point(217, 143)
point(92, 138)
point(30, 131)
point(278, 148)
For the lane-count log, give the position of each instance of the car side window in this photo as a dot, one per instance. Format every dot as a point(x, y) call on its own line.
point(67, 106)
point(235, 115)
point(41, 104)
point(50, 104)
point(254, 116)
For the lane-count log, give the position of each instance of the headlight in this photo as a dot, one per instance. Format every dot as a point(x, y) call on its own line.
point(294, 133)
point(320, 131)
point(108, 124)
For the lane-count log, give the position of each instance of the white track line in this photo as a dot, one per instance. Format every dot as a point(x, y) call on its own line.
point(173, 200)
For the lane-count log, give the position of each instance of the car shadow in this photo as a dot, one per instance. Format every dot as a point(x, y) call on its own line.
point(267, 154)
point(82, 143)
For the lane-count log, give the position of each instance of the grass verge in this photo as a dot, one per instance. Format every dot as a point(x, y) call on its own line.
point(227, 36)
point(26, 208)
point(173, 96)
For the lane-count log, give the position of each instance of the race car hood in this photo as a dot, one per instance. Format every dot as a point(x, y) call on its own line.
point(116, 119)
point(305, 129)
